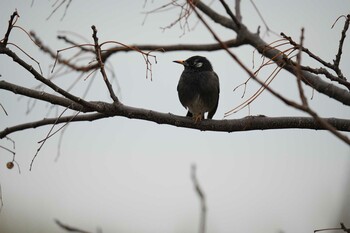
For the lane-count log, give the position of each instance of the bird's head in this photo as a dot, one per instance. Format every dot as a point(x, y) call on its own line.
point(196, 63)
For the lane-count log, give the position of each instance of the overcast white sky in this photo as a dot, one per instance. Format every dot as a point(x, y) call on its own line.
point(123, 175)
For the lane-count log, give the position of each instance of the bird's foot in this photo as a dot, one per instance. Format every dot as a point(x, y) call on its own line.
point(197, 118)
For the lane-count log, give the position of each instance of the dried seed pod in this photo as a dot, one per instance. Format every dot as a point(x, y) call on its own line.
point(9, 165)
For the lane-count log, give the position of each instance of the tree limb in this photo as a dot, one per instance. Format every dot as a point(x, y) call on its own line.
point(39, 77)
point(201, 195)
point(274, 54)
point(69, 228)
point(41, 95)
point(235, 125)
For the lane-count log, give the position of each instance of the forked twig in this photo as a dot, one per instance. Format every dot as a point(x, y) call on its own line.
point(49, 134)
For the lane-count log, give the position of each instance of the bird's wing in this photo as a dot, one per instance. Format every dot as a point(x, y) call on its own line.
point(213, 111)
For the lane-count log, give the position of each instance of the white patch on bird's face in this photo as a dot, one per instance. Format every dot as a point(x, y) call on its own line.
point(198, 64)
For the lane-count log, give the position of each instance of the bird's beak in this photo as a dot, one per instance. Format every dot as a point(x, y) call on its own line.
point(182, 62)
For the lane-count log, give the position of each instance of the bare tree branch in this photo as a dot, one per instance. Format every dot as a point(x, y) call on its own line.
point(342, 227)
point(130, 48)
point(58, 6)
point(254, 40)
point(47, 82)
point(340, 48)
point(102, 66)
point(201, 195)
point(230, 13)
point(1, 201)
point(12, 21)
point(235, 125)
point(238, 10)
point(41, 95)
point(69, 228)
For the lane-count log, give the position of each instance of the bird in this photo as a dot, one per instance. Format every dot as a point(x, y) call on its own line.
point(198, 88)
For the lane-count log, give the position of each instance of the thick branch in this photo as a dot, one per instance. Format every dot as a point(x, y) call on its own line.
point(243, 124)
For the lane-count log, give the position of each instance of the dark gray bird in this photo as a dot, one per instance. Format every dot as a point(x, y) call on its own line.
point(198, 88)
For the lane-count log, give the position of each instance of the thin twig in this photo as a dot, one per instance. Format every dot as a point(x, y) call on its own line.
point(307, 51)
point(341, 43)
point(1, 201)
point(238, 10)
point(230, 13)
point(317, 58)
point(262, 18)
point(342, 227)
point(57, 7)
point(64, 125)
point(44, 80)
point(3, 109)
point(201, 195)
point(47, 136)
point(298, 71)
point(33, 59)
point(69, 228)
point(12, 21)
point(8, 150)
point(101, 65)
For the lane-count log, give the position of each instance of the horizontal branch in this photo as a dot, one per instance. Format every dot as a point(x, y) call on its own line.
point(51, 121)
point(170, 48)
point(244, 124)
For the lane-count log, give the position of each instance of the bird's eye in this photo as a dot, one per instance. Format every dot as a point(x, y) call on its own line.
point(198, 64)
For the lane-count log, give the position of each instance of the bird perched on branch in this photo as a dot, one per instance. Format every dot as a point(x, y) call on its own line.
point(198, 88)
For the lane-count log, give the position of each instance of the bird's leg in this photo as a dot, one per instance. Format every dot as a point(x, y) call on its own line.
point(197, 117)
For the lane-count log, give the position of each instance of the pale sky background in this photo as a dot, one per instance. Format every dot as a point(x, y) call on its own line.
point(123, 175)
